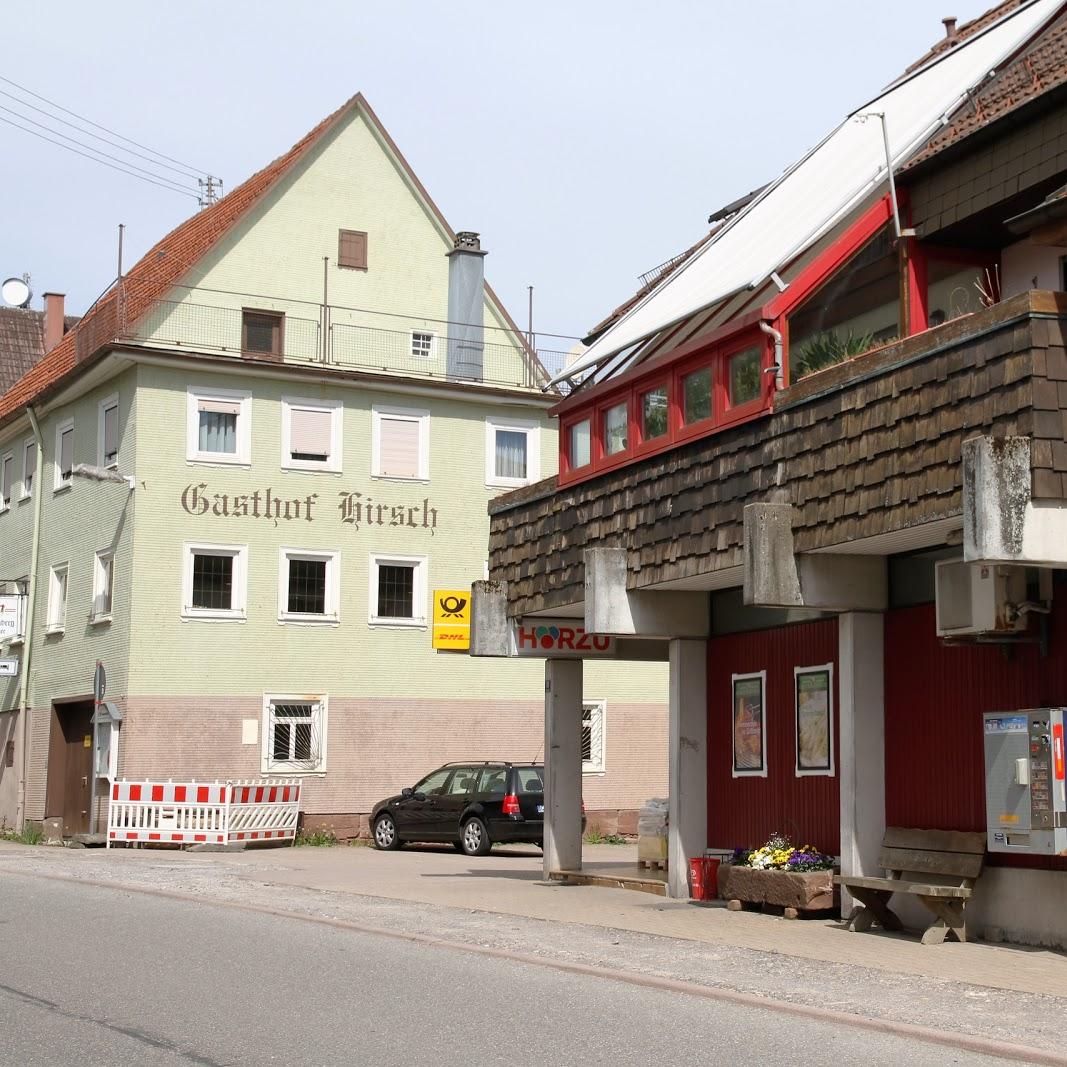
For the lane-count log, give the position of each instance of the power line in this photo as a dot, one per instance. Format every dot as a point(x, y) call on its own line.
point(89, 133)
point(114, 133)
point(123, 170)
point(99, 152)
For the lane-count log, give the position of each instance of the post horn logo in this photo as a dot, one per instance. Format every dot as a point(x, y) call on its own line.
point(452, 606)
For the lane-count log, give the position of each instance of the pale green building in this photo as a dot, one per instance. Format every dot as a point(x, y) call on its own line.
point(237, 484)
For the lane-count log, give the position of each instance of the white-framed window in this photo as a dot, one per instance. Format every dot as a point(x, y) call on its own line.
point(56, 620)
point(593, 736)
point(400, 443)
point(107, 432)
point(311, 434)
point(64, 461)
point(219, 426)
point(423, 344)
point(294, 734)
point(103, 586)
point(7, 479)
point(398, 590)
point(18, 605)
point(29, 467)
point(214, 580)
point(512, 452)
point(309, 586)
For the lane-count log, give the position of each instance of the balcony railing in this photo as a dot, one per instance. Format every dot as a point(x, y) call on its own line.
point(348, 339)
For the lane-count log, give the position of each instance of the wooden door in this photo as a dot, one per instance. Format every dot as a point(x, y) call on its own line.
point(70, 765)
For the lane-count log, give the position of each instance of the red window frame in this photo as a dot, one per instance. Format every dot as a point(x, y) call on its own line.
point(600, 452)
point(566, 468)
point(640, 445)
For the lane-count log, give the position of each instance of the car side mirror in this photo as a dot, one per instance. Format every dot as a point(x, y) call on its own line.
point(407, 791)
point(419, 796)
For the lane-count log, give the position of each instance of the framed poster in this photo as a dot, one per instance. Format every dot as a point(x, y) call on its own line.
point(814, 708)
point(749, 724)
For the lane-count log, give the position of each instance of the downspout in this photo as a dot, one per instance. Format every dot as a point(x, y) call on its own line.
point(27, 637)
point(779, 354)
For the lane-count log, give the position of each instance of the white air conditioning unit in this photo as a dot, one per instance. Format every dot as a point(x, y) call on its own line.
point(979, 598)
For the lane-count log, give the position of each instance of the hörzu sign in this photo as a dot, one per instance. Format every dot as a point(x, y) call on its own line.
point(452, 619)
point(558, 638)
point(354, 509)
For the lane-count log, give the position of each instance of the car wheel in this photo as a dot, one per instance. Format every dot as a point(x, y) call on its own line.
point(474, 839)
point(385, 836)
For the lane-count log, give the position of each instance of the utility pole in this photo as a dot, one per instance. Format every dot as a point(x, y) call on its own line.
point(210, 190)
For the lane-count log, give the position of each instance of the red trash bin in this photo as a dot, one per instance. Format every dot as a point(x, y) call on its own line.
point(711, 877)
point(696, 878)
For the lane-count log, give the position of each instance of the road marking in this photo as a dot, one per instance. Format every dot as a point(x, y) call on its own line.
point(949, 1039)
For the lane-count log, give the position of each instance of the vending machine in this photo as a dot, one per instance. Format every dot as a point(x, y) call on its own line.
point(1026, 805)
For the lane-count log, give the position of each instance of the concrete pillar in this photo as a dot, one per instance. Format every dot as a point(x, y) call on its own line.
point(563, 765)
point(688, 756)
point(861, 713)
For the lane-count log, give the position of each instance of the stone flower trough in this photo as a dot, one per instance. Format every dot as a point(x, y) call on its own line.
point(795, 892)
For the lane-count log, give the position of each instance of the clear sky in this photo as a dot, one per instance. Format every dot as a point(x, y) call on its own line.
point(587, 141)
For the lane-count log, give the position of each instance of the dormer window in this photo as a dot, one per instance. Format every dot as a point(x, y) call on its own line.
point(743, 377)
point(615, 429)
point(696, 396)
point(578, 452)
point(654, 412)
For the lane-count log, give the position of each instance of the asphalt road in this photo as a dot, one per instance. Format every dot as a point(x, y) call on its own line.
point(100, 976)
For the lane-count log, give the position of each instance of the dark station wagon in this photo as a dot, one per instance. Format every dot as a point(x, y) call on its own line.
point(473, 806)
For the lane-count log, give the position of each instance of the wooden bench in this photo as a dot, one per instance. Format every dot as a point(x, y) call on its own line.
point(937, 866)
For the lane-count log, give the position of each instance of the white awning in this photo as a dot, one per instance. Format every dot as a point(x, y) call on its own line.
point(813, 195)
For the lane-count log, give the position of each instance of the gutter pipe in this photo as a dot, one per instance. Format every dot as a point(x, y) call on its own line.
point(779, 354)
point(27, 640)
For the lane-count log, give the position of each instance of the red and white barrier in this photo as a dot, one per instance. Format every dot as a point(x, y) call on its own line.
point(203, 812)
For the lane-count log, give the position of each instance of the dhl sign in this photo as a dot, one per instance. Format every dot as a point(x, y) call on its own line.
point(556, 638)
point(452, 619)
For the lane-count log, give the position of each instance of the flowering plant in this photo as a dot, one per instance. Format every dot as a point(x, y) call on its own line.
point(780, 854)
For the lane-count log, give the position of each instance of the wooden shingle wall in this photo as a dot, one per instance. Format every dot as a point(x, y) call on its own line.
point(862, 449)
point(1033, 152)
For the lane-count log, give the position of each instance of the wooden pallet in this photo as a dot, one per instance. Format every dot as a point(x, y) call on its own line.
point(652, 865)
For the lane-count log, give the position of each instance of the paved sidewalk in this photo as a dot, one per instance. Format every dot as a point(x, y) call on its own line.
point(508, 882)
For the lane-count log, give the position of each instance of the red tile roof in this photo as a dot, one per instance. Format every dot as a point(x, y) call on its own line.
point(1035, 71)
point(168, 260)
point(160, 268)
point(968, 29)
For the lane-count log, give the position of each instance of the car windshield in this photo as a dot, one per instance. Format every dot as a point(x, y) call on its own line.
point(530, 779)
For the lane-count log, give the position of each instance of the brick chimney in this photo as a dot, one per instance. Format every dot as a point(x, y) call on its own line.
point(53, 319)
point(950, 27)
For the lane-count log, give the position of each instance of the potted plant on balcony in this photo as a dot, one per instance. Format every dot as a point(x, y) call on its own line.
point(779, 874)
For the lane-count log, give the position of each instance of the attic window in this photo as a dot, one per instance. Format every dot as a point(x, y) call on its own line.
point(261, 333)
point(352, 249)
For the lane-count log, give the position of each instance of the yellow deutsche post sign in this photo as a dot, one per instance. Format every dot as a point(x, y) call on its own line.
point(452, 619)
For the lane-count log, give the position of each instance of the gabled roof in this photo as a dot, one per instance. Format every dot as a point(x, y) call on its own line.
point(166, 262)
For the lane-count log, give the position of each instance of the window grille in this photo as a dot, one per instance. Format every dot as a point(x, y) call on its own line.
point(307, 586)
point(592, 737)
point(212, 582)
point(294, 735)
point(396, 591)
